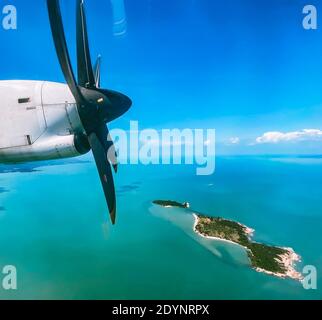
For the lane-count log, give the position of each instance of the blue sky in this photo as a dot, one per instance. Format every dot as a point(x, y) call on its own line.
point(243, 67)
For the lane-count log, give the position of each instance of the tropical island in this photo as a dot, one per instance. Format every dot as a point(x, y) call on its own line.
point(169, 204)
point(271, 260)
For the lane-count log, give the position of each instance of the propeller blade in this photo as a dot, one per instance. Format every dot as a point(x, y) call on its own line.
point(111, 153)
point(97, 71)
point(58, 33)
point(84, 63)
point(95, 106)
point(96, 141)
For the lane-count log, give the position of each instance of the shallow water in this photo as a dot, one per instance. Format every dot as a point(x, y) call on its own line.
point(53, 228)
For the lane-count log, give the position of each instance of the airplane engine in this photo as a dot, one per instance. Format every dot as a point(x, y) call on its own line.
point(43, 120)
point(47, 148)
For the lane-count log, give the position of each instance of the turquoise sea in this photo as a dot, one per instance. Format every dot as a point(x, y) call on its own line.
point(54, 229)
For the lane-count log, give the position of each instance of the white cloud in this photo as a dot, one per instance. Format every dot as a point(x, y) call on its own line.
point(234, 140)
point(293, 136)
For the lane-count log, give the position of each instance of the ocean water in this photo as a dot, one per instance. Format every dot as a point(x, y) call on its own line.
point(54, 229)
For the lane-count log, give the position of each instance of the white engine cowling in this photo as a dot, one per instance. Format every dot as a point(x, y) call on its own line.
point(47, 148)
point(39, 121)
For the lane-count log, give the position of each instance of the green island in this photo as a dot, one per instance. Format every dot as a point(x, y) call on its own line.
point(272, 260)
point(262, 256)
point(169, 203)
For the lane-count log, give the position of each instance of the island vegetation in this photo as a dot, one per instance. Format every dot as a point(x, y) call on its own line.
point(170, 203)
point(263, 258)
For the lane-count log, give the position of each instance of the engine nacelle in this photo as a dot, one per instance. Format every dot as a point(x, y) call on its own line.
point(47, 148)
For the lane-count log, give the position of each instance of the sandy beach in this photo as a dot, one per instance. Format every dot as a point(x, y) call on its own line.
point(215, 238)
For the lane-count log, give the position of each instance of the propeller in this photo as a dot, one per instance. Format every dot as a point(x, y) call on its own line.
point(97, 70)
point(96, 106)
